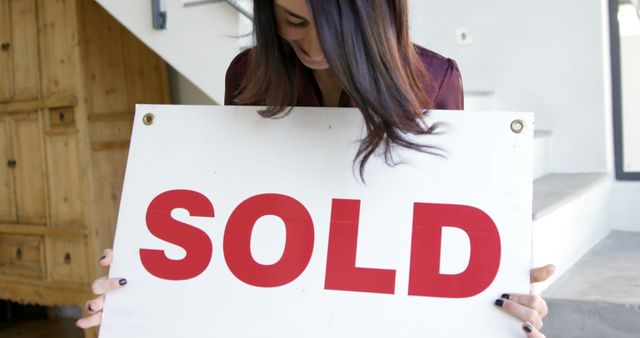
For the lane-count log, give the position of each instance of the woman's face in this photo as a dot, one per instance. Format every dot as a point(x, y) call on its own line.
point(295, 24)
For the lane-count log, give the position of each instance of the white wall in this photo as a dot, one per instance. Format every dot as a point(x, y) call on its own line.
point(246, 26)
point(545, 56)
point(183, 91)
point(199, 42)
point(625, 213)
point(630, 65)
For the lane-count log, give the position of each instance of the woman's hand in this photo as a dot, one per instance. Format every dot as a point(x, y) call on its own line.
point(528, 308)
point(100, 287)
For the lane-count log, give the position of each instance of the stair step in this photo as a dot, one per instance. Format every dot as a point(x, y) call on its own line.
point(552, 191)
point(600, 295)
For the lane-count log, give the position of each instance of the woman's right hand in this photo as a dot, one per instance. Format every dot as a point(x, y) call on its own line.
point(100, 287)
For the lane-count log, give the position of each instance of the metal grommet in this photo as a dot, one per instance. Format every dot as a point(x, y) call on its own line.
point(147, 119)
point(517, 126)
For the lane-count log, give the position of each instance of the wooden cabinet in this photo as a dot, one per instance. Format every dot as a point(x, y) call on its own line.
point(70, 75)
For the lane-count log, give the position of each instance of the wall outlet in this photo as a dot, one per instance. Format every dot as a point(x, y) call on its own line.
point(463, 36)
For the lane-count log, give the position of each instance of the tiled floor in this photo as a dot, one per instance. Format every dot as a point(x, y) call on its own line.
point(64, 328)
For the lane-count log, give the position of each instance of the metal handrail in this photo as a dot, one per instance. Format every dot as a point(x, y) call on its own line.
point(239, 8)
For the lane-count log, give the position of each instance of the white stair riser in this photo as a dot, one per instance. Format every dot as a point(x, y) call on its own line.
point(541, 156)
point(567, 233)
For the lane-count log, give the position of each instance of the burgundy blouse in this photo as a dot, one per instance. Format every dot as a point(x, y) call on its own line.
point(445, 86)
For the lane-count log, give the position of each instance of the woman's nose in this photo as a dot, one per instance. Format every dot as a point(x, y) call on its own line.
point(310, 42)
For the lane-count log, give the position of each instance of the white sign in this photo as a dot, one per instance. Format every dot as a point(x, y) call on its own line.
point(232, 225)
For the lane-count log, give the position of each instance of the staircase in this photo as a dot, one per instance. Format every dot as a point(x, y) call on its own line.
point(595, 292)
point(199, 41)
point(570, 212)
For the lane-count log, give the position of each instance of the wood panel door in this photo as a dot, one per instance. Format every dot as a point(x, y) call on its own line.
point(7, 194)
point(29, 173)
point(65, 198)
point(59, 38)
point(24, 50)
point(19, 64)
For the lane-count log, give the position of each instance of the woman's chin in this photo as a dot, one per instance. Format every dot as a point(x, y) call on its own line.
point(316, 65)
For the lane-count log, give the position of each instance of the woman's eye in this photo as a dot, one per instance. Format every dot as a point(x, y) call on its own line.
point(297, 23)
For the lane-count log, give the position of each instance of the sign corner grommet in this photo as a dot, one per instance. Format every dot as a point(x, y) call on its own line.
point(517, 126)
point(148, 119)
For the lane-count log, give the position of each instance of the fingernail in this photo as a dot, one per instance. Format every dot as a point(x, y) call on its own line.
point(527, 328)
point(499, 302)
point(89, 307)
point(506, 296)
point(101, 258)
point(122, 282)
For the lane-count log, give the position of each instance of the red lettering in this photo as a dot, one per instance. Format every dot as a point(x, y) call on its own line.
point(194, 241)
point(342, 273)
point(424, 275)
point(298, 246)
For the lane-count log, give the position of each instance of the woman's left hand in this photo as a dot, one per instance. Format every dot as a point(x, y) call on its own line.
point(527, 307)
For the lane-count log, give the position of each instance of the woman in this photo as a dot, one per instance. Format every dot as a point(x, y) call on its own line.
point(360, 56)
point(354, 53)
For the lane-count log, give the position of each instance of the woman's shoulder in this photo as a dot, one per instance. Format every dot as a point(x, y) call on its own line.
point(236, 73)
point(437, 64)
point(446, 81)
point(241, 59)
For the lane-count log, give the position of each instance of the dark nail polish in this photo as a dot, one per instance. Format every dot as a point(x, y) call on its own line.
point(499, 302)
point(101, 258)
point(527, 328)
point(89, 307)
point(122, 282)
point(506, 296)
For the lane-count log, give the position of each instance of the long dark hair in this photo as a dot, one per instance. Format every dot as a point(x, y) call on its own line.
point(367, 46)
